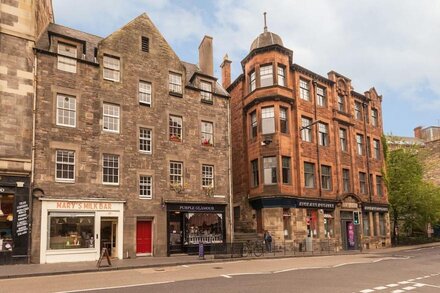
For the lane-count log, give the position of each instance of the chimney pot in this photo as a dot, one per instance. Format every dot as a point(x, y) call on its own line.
point(226, 71)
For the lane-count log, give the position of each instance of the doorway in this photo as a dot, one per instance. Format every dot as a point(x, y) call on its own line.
point(109, 235)
point(143, 238)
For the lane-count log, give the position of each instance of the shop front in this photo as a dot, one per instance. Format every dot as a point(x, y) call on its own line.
point(192, 224)
point(14, 220)
point(350, 226)
point(78, 229)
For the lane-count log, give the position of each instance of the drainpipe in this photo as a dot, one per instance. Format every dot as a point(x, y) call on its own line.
point(231, 225)
point(34, 113)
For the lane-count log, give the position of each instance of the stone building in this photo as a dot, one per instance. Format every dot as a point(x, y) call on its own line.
point(307, 154)
point(430, 133)
point(21, 22)
point(132, 149)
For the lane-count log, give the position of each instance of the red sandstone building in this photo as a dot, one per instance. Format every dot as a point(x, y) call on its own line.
point(307, 154)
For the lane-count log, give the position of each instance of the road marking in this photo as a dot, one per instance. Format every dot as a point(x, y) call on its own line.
point(185, 266)
point(429, 285)
point(297, 269)
point(409, 288)
point(346, 264)
point(419, 278)
point(254, 273)
point(392, 285)
point(380, 288)
point(403, 282)
point(117, 287)
point(226, 276)
point(366, 291)
point(398, 291)
point(418, 285)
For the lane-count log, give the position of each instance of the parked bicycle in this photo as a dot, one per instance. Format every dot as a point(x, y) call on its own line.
point(256, 248)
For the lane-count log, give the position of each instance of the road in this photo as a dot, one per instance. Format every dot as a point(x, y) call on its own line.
point(405, 271)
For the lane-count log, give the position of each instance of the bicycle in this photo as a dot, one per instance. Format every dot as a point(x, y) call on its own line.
point(255, 248)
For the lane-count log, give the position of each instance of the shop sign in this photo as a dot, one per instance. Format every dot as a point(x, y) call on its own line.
point(375, 208)
point(196, 208)
point(22, 218)
point(83, 205)
point(315, 204)
point(349, 205)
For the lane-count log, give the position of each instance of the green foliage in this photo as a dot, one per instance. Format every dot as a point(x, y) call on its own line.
point(414, 202)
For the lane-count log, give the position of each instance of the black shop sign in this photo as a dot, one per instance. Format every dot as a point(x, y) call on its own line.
point(313, 204)
point(194, 208)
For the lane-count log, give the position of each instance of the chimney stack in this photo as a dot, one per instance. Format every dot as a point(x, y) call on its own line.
point(206, 56)
point(418, 132)
point(226, 71)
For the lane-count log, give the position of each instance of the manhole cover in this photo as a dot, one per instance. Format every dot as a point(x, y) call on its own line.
point(217, 268)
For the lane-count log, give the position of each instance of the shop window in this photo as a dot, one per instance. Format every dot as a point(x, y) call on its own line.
point(382, 228)
point(304, 89)
point(329, 225)
point(203, 228)
point(71, 230)
point(206, 91)
point(323, 134)
point(326, 177)
point(111, 114)
point(65, 165)
point(144, 93)
point(254, 124)
point(366, 223)
point(67, 55)
point(321, 97)
point(306, 129)
point(145, 137)
point(266, 75)
point(6, 222)
point(112, 68)
point(343, 139)
point(270, 170)
point(255, 174)
point(286, 170)
point(145, 187)
point(66, 110)
point(362, 183)
point(346, 180)
point(281, 75)
point(207, 176)
point(175, 125)
point(283, 120)
point(175, 83)
point(268, 120)
point(312, 223)
point(309, 175)
point(207, 129)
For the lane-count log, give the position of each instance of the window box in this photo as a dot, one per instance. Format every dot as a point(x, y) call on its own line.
point(175, 138)
point(207, 142)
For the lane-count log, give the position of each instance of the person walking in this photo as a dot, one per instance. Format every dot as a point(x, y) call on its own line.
point(268, 241)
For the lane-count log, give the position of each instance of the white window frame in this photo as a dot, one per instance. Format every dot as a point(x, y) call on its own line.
point(252, 81)
point(111, 112)
point(341, 104)
point(176, 177)
point(343, 139)
point(374, 118)
point(306, 174)
point(284, 120)
point(268, 120)
point(360, 144)
point(174, 128)
point(326, 177)
point(206, 91)
point(145, 140)
point(207, 176)
point(145, 187)
point(145, 92)
point(65, 164)
point(67, 55)
point(111, 68)
point(304, 89)
point(207, 133)
point(106, 165)
point(321, 96)
point(376, 146)
point(323, 131)
point(306, 131)
point(281, 74)
point(266, 75)
point(270, 168)
point(66, 110)
point(175, 82)
point(357, 110)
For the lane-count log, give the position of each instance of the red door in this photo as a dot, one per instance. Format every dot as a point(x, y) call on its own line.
point(143, 237)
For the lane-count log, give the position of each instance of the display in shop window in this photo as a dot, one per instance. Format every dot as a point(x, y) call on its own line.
point(70, 231)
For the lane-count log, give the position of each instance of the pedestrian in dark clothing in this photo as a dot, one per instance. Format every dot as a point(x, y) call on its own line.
point(268, 241)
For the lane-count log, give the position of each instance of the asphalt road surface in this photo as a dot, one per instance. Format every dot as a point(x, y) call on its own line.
point(405, 271)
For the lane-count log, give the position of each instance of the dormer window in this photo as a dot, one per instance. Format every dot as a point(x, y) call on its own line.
point(67, 55)
point(266, 75)
point(206, 91)
point(112, 68)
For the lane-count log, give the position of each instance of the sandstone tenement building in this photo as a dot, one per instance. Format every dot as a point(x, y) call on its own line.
point(132, 146)
point(307, 154)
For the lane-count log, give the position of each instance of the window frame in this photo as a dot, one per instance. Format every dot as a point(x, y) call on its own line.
point(358, 110)
point(374, 117)
point(326, 178)
point(207, 138)
point(65, 59)
point(306, 130)
point(254, 123)
point(145, 92)
point(321, 96)
point(284, 120)
point(145, 140)
point(379, 186)
point(145, 44)
point(178, 165)
point(268, 120)
point(65, 110)
point(324, 138)
point(266, 75)
point(106, 117)
point(362, 183)
point(304, 89)
point(286, 170)
point(343, 139)
point(146, 187)
point(346, 184)
point(252, 81)
point(360, 144)
point(175, 83)
point(112, 174)
point(309, 175)
point(175, 132)
point(206, 92)
point(270, 164)
point(113, 68)
point(65, 164)
point(376, 146)
point(281, 75)
point(341, 104)
point(255, 172)
point(208, 176)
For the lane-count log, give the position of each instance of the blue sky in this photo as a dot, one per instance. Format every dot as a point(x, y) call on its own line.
point(392, 45)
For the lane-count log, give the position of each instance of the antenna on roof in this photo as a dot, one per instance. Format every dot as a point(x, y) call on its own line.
point(265, 25)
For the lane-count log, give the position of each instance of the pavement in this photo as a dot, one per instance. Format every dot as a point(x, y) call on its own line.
point(35, 270)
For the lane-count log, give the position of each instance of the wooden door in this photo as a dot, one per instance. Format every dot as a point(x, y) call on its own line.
point(143, 237)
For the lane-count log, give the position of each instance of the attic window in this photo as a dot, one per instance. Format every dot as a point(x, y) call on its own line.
point(145, 44)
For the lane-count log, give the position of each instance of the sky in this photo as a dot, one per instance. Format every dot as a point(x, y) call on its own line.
point(391, 45)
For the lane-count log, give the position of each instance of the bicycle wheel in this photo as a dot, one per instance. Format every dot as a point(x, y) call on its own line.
point(258, 249)
point(246, 250)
